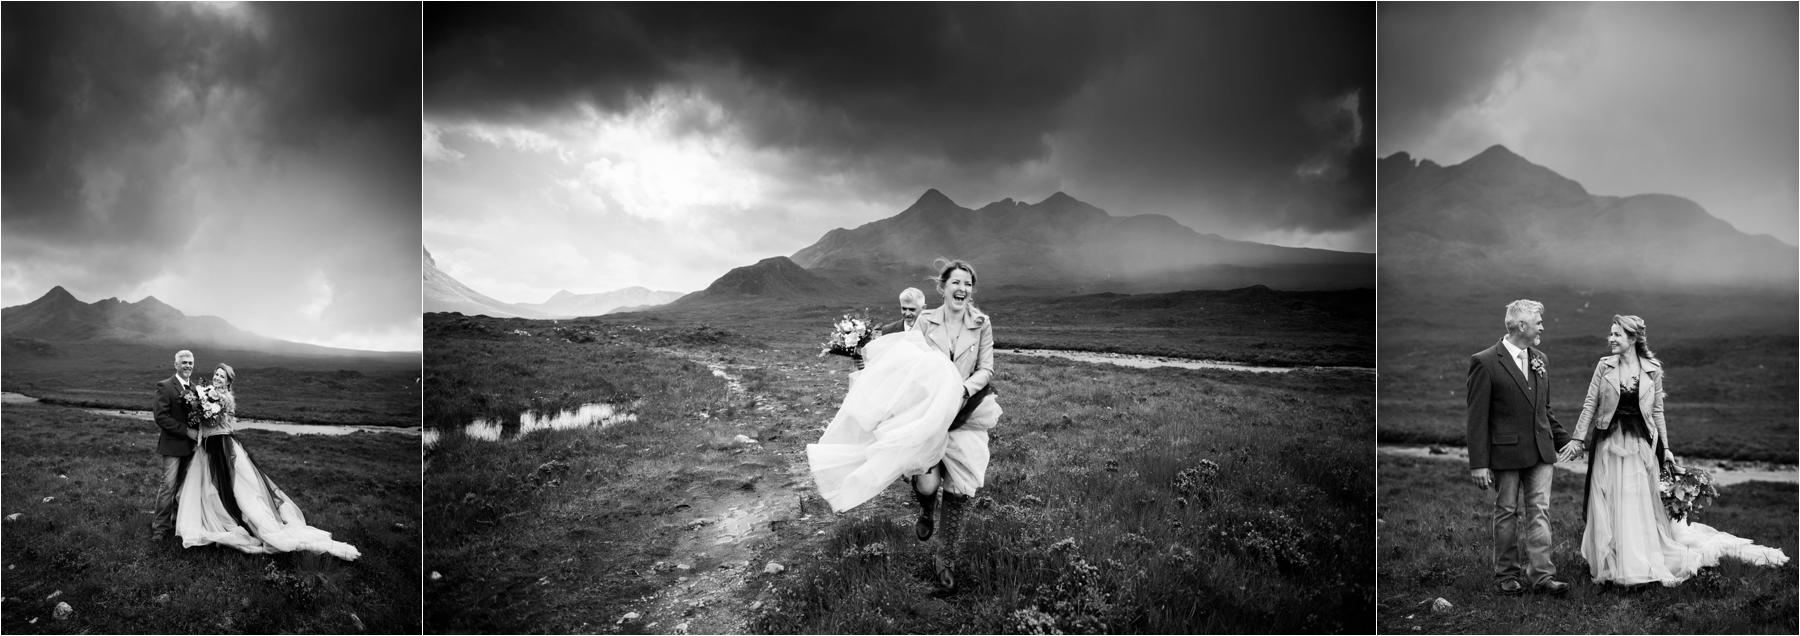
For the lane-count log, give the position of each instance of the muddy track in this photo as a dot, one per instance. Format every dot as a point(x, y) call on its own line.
point(719, 563)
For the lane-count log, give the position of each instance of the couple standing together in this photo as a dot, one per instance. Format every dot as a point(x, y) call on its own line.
point(920, 408)
point(228, 500)
point(1515, 442)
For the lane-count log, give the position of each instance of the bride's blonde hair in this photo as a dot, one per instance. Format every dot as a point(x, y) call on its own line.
point(228, 396)
point(946, 265)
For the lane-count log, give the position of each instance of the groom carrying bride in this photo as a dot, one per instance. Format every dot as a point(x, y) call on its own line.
point(1513, 439)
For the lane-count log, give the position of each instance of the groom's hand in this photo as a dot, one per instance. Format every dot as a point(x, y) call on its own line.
point(1483, 478)
point(1571, 451)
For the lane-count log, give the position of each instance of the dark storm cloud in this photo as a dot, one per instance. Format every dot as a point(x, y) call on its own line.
point(1437, 57)
point(1141, 108)
point(146, 145)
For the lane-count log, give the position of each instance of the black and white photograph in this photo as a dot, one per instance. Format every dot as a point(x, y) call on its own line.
point(211, 332)
point(689, 272)
point(1588, 318)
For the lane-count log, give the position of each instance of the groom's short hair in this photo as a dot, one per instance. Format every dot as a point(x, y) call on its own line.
point(1518, 310)
point(183, 352)
point(913, 293)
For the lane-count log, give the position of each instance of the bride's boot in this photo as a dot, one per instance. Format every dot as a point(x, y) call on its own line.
point(927, 507)
point(950, 555)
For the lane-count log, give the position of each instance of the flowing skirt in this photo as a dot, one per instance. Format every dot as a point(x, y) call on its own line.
point(1630, 539)
point(894, 421)
point(226, 500)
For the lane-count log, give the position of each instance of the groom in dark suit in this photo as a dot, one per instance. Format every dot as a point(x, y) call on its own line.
point(1513, 443)
point(176, 444)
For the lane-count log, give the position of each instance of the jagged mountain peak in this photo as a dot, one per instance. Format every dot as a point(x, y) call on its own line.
point(932, 199)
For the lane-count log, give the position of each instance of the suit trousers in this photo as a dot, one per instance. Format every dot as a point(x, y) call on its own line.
point(1522, 524)
point(174, 470)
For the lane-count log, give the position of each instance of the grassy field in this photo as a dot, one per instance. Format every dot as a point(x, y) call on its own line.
point(1435, 544)
point(1731, 363)
point(380, 390)
point(83, 486)
point(1103, 511)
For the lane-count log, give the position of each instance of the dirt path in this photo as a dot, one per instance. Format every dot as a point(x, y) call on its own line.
point(728, 546)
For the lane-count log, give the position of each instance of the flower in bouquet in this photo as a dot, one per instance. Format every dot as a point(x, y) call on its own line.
point(849, 335)
point(1685, 490)
point(204, 404)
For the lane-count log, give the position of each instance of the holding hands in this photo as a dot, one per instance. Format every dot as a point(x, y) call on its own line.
point(1572, 451)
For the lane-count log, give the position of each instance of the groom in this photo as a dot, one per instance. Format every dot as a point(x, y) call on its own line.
point(1513, 442)
point(176, 444)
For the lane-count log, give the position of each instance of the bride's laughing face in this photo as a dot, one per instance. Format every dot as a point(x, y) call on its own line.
point(1616, 340)
point(218, 378)
point(958, 289)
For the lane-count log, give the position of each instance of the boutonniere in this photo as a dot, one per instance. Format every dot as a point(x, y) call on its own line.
point(1537, 366)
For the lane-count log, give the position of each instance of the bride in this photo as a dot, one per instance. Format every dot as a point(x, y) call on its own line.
point(228, 501)
point(1630, 539)
point(921, 408)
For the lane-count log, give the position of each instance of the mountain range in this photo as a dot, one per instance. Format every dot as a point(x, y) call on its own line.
point(443, 293)
point(58, 316)
point(1498, 218)
point(1055, 247)
point(1058, 246)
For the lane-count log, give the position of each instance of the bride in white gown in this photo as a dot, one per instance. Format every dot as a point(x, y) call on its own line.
point(226, 500)
point(1629, 538)
point(893, 421)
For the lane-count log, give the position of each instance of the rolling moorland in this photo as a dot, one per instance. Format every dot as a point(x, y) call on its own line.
point(1139, 500)
point(79, 490)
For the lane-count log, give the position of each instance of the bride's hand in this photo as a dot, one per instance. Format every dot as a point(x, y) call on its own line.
point(1571, 451)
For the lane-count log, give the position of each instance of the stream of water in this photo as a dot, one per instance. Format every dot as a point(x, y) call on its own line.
point(1724, 472)
point(290, 428)
point(1151, 362)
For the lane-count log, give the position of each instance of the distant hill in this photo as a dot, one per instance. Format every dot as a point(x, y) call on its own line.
point(568, 304)
point(58, 316)
point(1500, 219)
point(444, 293)
point(1062, 243)
point(771, 278)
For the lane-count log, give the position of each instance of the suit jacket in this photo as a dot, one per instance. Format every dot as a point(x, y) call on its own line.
point(974, 336)
point(1603, 400)
point(171, 414)
point(896, 326)
point(1510, 426)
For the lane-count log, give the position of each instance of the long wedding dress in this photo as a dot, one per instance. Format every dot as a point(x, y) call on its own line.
point(1630, 538)
point(226, 500)
point(894, 422)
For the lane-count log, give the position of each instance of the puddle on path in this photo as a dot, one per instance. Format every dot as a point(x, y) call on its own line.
point(1724, 472)
point(1151, 362)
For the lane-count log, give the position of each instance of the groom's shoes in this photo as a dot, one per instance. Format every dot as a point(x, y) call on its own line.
point(1510, 587)
point(1551, 586)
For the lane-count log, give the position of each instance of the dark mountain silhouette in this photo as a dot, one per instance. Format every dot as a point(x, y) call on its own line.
point(1063, 244)
point(771, 278)
point(443, 293)
point(1499, 219)
point(58, 316)
point(565, 303)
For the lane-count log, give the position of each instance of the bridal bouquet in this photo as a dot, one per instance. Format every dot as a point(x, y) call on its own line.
point(1686, 490)
point(204, 404)
point(849, 335)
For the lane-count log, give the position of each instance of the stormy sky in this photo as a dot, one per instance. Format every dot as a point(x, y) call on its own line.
point(250, 161)
point(1696, 100)
point(590, 147)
